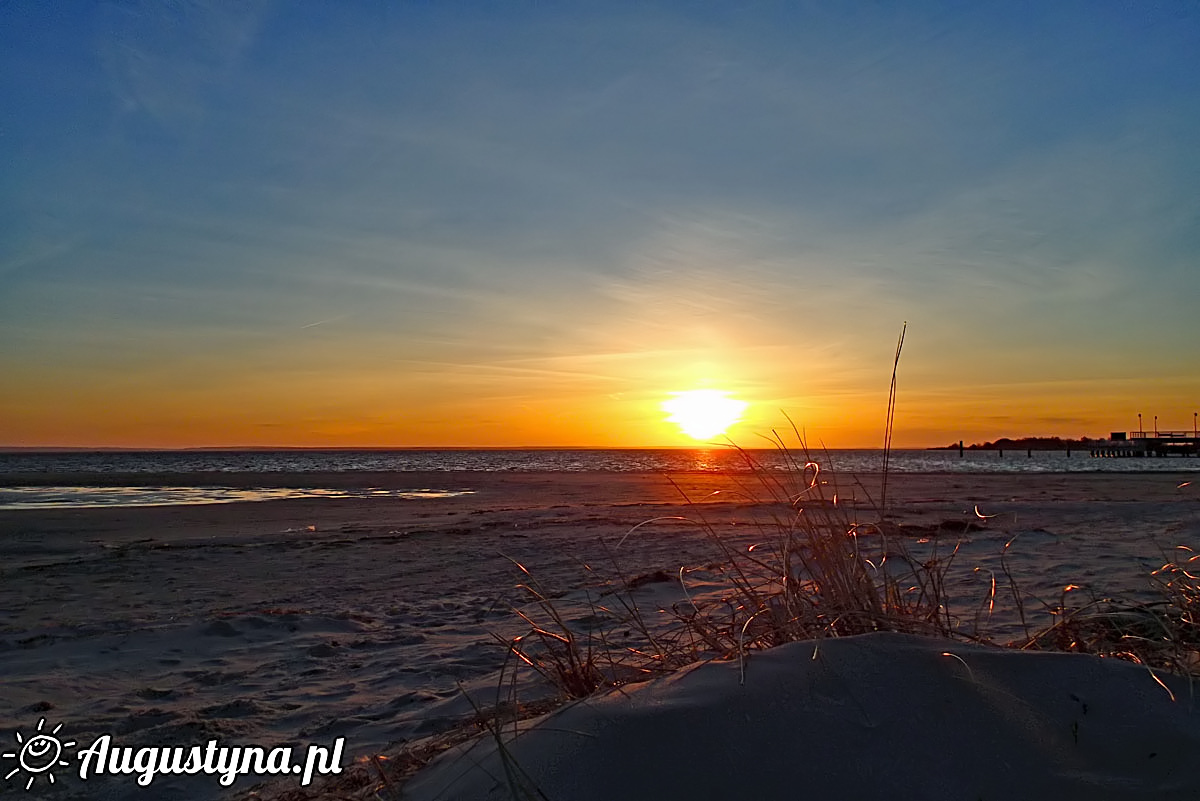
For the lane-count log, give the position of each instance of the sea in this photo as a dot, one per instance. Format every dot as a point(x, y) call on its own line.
point(27, 479)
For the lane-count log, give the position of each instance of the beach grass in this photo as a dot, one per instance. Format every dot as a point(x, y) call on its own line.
point(820, 566)
point(1162, 633)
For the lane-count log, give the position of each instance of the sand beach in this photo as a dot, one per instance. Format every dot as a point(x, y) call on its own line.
point(381, 620)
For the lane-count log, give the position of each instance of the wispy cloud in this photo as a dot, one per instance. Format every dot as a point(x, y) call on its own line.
point(167, 59)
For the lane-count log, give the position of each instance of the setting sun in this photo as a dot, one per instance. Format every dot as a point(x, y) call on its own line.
point(703, 413)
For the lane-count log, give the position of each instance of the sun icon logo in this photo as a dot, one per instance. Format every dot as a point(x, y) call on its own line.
point(40, 754)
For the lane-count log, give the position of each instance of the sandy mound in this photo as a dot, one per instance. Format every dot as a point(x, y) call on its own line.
point(875, 716)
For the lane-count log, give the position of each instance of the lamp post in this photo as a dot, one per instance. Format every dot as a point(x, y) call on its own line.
point(1156, 425)
point(1139, 423)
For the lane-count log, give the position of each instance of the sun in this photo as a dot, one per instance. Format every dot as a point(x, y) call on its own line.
point(703, 413)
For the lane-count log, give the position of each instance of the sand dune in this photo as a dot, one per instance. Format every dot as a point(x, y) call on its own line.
point(876, 716)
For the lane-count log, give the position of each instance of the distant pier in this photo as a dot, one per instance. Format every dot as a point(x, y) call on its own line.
point(1148, 443)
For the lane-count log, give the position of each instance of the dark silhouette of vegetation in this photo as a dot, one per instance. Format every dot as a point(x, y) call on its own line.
point(1027, 443)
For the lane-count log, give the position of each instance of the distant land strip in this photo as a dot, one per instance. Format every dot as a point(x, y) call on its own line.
point(1026, 443)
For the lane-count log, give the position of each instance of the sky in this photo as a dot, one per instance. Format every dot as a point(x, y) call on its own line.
point(528, 224)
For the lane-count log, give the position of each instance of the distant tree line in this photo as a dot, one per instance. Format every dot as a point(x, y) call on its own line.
point(1027, 443)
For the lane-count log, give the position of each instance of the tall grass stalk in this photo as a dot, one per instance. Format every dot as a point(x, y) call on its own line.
point(889, 426)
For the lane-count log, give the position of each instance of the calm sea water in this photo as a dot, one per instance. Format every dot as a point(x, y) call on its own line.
point(663, 460)
point(657, 460)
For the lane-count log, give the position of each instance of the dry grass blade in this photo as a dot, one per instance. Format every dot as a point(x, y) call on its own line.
point(891, 417)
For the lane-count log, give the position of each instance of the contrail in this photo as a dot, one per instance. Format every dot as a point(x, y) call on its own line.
point(322, 322)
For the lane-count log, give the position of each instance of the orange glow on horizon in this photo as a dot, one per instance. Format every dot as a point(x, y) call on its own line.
point(585, 403)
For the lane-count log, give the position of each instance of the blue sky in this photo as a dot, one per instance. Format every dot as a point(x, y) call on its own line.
point(423, 224)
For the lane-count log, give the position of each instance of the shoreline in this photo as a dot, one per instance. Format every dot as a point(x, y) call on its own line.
point(400, 479)
point(541, 489)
